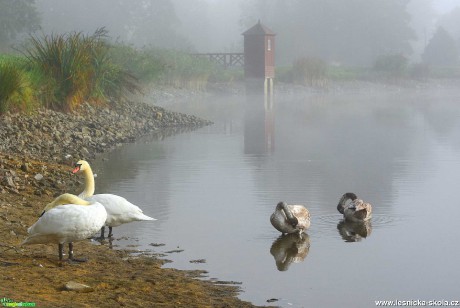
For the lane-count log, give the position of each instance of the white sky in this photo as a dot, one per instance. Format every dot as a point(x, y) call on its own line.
point(444, 6)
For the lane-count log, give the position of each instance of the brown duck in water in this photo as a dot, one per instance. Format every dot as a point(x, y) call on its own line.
point(290, 218)
point(356, 210)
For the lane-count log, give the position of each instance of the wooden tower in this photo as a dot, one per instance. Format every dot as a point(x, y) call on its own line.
point(259, 52)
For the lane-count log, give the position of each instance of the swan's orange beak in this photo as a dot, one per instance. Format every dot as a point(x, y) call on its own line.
point(76, 169)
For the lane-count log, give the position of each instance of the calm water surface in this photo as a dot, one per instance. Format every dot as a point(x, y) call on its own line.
point(213, 190)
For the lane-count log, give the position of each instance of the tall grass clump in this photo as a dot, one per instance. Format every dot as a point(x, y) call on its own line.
point(145, 63)
point(16, 91)
point(111, 80)
point(75, 68)
point(164, 66)
point(306, 71)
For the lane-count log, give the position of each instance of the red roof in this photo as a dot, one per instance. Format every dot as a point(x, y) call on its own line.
point(258, 29)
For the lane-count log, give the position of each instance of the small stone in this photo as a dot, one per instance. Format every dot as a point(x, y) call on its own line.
point(25, 167)
point(77, 287)
point(85, 130)
point(39, 177)
point(10, 182)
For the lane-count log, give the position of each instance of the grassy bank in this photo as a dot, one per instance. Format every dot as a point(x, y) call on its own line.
point(394, 69)
point(63, 71)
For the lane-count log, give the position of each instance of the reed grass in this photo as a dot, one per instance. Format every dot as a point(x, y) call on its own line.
point(16, 89)
point(186, 71)
point(75, 68)
point(165, 67)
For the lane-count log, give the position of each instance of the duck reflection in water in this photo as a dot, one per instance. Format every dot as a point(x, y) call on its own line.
point(354, 231)
point(290, 248)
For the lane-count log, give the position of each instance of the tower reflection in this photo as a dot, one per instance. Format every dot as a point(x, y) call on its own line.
point(259, 121)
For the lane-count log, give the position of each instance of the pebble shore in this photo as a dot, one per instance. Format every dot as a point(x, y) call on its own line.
point(63, 138)
point(86, 132)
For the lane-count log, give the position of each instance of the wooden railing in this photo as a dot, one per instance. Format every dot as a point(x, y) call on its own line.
point(226, 59)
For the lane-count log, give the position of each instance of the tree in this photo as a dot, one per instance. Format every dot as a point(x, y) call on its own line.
point(16, 17)
point(451, 23)
point(441, 50)
point(141, 22)
point(391, 65)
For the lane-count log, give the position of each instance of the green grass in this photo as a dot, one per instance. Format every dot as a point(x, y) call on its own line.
point(165, 67)
point(16, 88)
point(73, 68)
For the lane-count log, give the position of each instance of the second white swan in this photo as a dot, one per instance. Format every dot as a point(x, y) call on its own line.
point(119, 210)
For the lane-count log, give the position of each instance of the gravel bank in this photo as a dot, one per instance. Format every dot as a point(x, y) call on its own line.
point(89, 131)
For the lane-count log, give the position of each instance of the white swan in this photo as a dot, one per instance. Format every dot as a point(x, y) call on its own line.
point(357, 210)
point(290, 218)
point(119, 210)
point(65, 220)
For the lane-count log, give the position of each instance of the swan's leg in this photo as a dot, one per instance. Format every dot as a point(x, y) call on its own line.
point(71, 258)
point(102, 232)
point(110, 232)
point(61, 253)
point(301, 234)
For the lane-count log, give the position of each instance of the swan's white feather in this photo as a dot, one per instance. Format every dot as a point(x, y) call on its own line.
point(67, 223)
point(119, 210)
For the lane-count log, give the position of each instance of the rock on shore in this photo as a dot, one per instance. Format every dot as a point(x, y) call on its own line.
point(63, 138)
point(53, 136)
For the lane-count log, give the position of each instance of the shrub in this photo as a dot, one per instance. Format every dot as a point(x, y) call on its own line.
point(391, 65)
point(75, 67)
point(419, 71)
point(309, 71)
point(16, 92)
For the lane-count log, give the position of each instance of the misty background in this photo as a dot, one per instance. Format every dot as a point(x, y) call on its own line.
point(353, 32)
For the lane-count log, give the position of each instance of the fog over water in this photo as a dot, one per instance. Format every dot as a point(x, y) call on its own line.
point(213, 190)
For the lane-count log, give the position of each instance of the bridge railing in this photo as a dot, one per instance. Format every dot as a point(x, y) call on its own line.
point(226, 59)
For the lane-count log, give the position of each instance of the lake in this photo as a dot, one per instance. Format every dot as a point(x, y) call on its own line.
point(213, 190)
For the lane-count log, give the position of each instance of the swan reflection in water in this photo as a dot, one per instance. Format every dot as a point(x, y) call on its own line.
point(354, 231)
point(104, 241)
point(290, 248)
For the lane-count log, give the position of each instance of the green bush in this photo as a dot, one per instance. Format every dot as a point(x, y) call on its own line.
point(144, 63)
point(185, 71)
point(307, 71)
point(164, 66)
point(419, 71)
point(16, 91)
point(391, 65)
point(75, 68)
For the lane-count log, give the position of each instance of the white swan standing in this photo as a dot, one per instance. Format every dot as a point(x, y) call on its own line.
point(290, 218)
point(119, 210)
point(66, 220)
point(357, 210)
